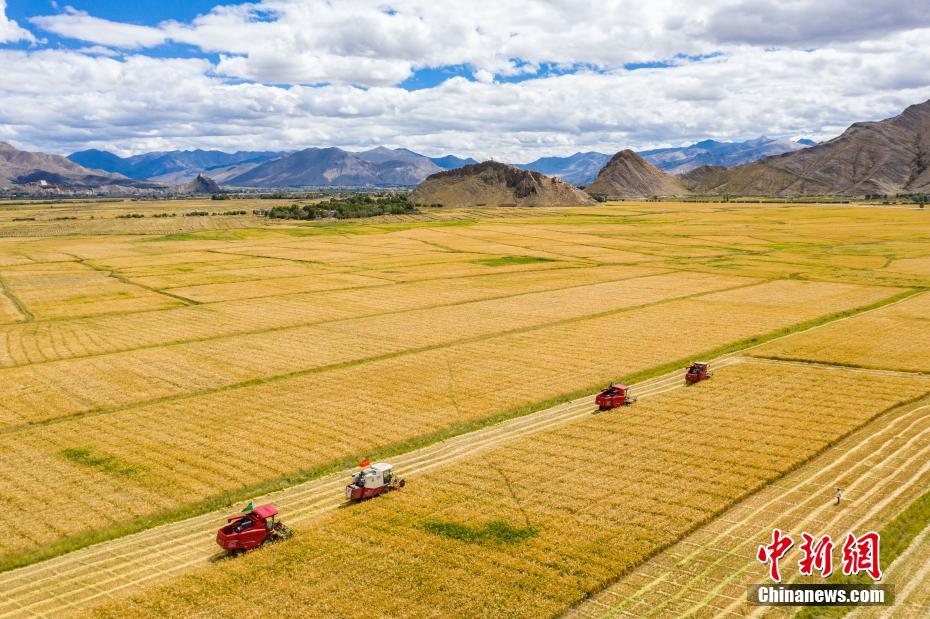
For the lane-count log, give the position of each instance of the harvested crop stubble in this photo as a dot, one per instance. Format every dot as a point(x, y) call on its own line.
point(192, 447)
point(62, 289)
point(468, 269)
point(333, 250)
point(920, 266)
point(232, 269)
point(41, 392)
point(895, 338)
point(424, 257)
point(112, 225)
point(210, 293)
point(147, 261)
point(46, 341)
point(548, 518)
point(504, 242)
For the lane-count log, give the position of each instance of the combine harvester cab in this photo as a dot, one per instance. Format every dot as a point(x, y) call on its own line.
point(373, 480)
point(613, 397)
point(698, 371)
point(251, 530)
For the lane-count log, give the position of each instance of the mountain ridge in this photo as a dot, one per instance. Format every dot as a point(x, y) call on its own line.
point(180, 166)
point(877, 157)
point(582, 168)
point(20, 167)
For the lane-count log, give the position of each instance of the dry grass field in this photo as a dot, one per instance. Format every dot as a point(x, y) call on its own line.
point(158, 367)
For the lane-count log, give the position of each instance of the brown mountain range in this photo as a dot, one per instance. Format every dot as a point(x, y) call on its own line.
point(19, 167)
point(627, 175)
point(885, 157)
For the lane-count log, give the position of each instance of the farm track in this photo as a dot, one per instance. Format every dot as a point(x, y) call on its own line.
point(111, 568)
point(882, 467)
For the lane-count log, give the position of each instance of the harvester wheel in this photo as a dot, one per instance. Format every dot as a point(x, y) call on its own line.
point(402, 483)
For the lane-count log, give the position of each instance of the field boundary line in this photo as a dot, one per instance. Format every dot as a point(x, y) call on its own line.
point(120, 278)
point(294, 294)
point(315, 323)
point(838, 366)
point(254, 382)
point(651, 253)
point(19, 305)
point(391, 282)
point(69, 544)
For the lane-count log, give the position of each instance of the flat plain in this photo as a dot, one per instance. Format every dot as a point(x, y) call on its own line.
point(153, 368)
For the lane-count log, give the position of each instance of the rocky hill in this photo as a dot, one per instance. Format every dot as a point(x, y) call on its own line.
point(200, 185)
point(627, 175)
point(496, 184)
point(885, 157)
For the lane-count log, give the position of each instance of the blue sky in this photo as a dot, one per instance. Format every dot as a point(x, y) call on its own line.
point(146, 12)
point(507, 79)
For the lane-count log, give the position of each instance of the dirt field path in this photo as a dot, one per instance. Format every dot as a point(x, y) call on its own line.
point(115, 567)
point(882, 467)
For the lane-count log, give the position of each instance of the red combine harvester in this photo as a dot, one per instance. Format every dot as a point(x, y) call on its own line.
point(614, 396)
point(698, 371)
point(372, 480)
point(251, 530)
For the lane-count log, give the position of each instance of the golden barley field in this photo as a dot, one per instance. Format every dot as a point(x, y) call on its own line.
point(545, 519)
point(153, 368)
point(896, 337)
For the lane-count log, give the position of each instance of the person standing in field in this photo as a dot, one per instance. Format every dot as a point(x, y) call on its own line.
point(839, 495)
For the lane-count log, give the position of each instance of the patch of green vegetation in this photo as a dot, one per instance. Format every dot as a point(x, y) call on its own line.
point(112, 465)
point(354, 206)
point(510, 260)
point(896, 536)
point(496, 531)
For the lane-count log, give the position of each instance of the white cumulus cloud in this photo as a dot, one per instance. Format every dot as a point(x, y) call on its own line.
point(10, 31)
point(284, 74)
